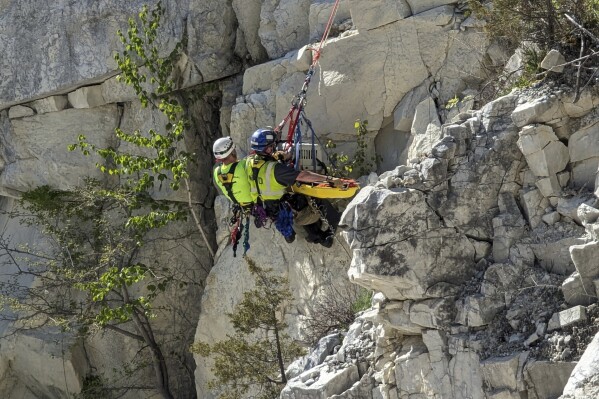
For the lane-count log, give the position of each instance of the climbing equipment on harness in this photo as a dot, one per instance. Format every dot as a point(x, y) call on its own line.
point(226, 180)
point(260, 216)
point(240, 230)
point(296, 118)
point(299, 101)
point(284, 222)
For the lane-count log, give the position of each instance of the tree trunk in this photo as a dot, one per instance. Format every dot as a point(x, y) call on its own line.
point(551, 21)
point(279, 351)
point(158, 362)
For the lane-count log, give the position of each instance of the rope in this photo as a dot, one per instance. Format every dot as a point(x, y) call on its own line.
point(246, 236)
point(327, 30)
point(284, 222)
point(298, 146)
point(236, 235)
point(260, 216)
point(300, 99)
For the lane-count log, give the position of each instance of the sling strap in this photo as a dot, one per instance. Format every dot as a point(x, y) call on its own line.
point(226, 179)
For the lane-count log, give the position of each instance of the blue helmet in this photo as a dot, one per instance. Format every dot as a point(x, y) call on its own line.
point(262, 138)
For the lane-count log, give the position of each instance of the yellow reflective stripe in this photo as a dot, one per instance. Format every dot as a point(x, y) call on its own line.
point(267, 181)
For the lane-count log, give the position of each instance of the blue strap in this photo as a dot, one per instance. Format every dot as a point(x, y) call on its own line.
point(298, 145)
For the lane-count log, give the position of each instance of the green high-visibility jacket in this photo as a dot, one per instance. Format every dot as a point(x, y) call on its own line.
point(261, 175)
point(233, 181)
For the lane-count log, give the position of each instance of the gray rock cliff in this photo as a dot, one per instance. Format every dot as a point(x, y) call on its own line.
point(478, 236)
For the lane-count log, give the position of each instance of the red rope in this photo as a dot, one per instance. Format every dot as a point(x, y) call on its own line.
point(326, 33)
point(297, 106)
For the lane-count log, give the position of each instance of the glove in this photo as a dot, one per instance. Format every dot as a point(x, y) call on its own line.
point(281, 156)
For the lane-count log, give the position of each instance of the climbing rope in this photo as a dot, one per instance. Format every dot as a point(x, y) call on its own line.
point(260, 216)
point(246, 236)
point(299, 101)
point(239, 229)
point(236, 235)
point(284, 222)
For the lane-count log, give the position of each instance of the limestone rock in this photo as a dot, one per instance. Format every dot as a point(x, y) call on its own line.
point(20, 111)
point(403, 114)
point(87, 97)
point(585, 103)
point(256, 112)
point(540, 110)
point(585, 259)
point(211, 28)
point(534, 206)
point(261, 77)
point(549, 186)
point(323, 348)
point(367, 16)
point(544, 153)
point(326, 384)
point(493, 165)
point(35, 149)
point(395, 315)
point(567, 317)
point(418, 6)
point(409, 364)
point(47, 363)
point(547, 379)
point(407, 266)
point(582, 381)
point(426, 128)
point(505, 372)
point(553, 61)
point(583, 149)
point(248, 17)
point(554, 256)
point(568, 206)
point(284, 26)
point(431, 313)
point(68, 46)
point(508, 227)
point(320, 12)
point(574, 291)
point(114, 91)
point(50, 104)
point(229, 278)
point(476, 311)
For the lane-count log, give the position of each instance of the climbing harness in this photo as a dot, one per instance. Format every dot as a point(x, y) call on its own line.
point(239, 229)
point(226, 179)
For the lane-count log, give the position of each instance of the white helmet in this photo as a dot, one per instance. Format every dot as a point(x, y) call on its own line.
point(223, 147)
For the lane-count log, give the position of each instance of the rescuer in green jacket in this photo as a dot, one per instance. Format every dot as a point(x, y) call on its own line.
point(230, 175)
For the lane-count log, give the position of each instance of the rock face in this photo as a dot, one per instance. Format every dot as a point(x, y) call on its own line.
point(488, 192)
point(479, 237)
point(310, 270)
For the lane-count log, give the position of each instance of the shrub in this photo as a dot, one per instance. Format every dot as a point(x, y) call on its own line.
point(336, 310)
point(541, 22)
